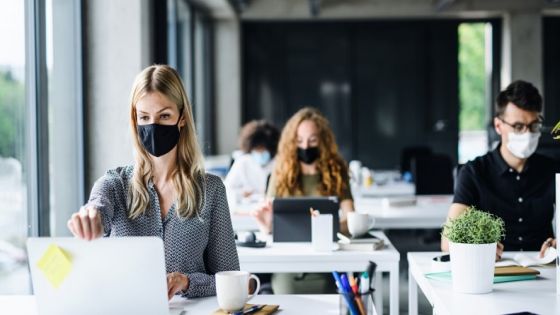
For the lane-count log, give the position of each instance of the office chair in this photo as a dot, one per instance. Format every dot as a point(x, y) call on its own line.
point(409, 153)
point(433, 174)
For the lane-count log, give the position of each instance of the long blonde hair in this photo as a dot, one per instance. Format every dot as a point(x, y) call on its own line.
point(330, 165)
point(188, 177)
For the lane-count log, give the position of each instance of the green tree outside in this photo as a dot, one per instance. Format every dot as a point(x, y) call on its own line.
point(12, 102)
point(472, 114)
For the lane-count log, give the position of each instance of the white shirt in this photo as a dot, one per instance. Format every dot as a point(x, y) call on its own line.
point(246, 175)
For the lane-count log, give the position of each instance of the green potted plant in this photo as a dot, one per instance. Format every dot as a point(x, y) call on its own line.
point(556, 131)
point(473, 238)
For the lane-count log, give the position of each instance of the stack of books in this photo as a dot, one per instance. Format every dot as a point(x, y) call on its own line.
point(364, 243)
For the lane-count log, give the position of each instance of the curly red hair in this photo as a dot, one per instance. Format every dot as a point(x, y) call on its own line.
point(331, 166)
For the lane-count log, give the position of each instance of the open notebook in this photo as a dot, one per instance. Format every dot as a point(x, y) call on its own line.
point(526, 260)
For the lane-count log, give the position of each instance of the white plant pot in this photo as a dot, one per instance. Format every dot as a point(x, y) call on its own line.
point(472, 267)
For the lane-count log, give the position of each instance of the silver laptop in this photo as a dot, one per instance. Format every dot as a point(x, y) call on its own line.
point(124, 275)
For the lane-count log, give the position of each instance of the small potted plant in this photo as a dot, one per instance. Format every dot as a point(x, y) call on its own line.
point(556, 131)
point(473, 238)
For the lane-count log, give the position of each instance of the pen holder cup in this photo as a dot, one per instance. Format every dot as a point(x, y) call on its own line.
point(366, 299)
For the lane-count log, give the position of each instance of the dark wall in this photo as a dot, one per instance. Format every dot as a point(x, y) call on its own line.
point(384, 85)
point(551, 65)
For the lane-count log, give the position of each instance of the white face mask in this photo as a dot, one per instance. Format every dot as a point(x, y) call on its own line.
point(523, 145)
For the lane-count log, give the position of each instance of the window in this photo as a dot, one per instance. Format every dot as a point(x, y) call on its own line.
point(14, 277)
point(475, 68)
point(65, 121)
point(190, 49)
point(41, 164)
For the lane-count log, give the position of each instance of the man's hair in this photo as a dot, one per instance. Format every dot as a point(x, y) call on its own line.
point(522, 94)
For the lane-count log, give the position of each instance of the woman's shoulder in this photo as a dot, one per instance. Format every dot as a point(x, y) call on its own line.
point(212, 180)
point(117, 177)
point(121, 172)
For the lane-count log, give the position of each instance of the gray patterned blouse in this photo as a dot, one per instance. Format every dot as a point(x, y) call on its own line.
point(197, 247)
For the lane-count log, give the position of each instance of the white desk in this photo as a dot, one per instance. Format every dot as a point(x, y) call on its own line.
point(390, 189)
point(537, 296)
point(289, 304)
point(429, 212)
point(300, 257)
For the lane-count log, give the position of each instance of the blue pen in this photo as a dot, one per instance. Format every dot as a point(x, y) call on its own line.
point(340, 287)
point(344, 287)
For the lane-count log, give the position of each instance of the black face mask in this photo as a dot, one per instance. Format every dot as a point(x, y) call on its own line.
point(159, 139)
point(309, 155)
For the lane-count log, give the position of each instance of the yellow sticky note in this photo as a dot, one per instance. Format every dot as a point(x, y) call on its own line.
point(55, 264)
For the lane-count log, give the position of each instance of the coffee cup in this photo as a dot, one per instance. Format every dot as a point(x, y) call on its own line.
point(359, 223)
point(232, 289)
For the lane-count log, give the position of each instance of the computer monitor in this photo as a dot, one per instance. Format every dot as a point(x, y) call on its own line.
point(291, 220)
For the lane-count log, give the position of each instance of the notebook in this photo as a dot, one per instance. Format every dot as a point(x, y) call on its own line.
point(525, 260)
point(121, 275)
point(446, 277)
point(365, 243)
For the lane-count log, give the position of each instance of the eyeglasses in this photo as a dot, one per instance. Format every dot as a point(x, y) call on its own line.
point(520, 128)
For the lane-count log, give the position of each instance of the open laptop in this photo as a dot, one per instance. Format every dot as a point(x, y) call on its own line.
point(121, 275)
point(291, 220)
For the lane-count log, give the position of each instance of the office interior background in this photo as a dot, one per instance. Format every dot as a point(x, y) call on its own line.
point(389, 74)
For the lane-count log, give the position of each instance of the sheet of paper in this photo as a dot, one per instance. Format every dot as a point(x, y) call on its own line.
point(55, 264)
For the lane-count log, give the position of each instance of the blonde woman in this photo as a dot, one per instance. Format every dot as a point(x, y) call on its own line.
point(166, 193)
point(307, 164)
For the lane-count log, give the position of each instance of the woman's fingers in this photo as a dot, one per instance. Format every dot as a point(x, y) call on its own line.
point(77, 225)
point(96, 226)
point(86, 225)
point(175, 283)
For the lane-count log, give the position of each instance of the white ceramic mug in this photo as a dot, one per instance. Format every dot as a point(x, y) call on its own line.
point(359, 223)
point(232, 289)
point(322, 232)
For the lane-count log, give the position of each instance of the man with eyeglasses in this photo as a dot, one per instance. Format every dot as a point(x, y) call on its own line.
point(512, 181)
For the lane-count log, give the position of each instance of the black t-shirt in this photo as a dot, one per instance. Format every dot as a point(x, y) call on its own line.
point(525, 201)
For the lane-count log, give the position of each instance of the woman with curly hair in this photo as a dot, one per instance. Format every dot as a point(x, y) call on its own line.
point(307, 164)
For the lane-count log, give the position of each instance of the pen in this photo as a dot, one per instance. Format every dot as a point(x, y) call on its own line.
point(347, 294)
point(357, 296)
point(250, 310)
point(364, 289)
point(348, 291)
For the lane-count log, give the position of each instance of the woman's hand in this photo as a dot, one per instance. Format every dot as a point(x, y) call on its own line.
point(86, 223)
point(499, 251)
point(176, 282)
point(548, 243)
point(263, 215)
